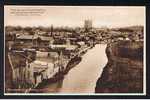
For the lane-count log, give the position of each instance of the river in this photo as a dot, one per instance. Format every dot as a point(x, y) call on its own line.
point(83, 77)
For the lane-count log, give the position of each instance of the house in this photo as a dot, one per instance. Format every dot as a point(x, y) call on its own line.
point(27, 39)
point(64, 47)
point(50, 55)
point(44, 41)
point(72, 40)
point(41, 54)
point(34, 40)
point(42, 70)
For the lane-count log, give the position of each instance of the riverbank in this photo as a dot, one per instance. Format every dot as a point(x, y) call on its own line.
point(124, 70)
point(59, 75)
point(82, 77)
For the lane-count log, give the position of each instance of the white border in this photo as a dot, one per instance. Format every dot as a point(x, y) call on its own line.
point(88, 94)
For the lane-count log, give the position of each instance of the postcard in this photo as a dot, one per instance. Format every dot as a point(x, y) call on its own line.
point(74, 50)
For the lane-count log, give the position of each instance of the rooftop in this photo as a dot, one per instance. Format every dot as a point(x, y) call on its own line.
point(39, 66)
point(27, 37)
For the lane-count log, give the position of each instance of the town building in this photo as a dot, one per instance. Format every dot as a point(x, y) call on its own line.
point(88, 24)
point(42, 70)
point(34, 40)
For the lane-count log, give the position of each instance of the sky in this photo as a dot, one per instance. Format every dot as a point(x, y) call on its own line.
point(74, 16)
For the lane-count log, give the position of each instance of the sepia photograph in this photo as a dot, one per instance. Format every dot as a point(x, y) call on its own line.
point(74, 50)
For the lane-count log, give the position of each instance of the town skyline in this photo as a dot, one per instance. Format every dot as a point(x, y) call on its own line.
point(61, 16)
